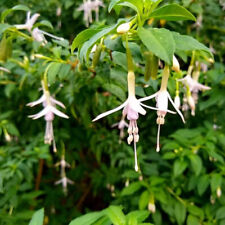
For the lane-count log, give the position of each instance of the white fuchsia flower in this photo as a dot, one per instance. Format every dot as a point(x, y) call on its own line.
point(131, 109)
point(121, 125)
point(162, 98)
point(48, 112)
point(62, 163)
point(30, 21)
point(89, 6)
point(38, 36)
point(194, 86)
point(64, 181)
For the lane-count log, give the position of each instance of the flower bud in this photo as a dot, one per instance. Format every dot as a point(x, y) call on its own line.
point(177, 101)
point(5, 48)
point(160, 120)
point(176, 65)
point(136, 138)
point(130, 139)
point(97, 55)
point(218, 192)
point(151, 207)
point(151, 66)
point(191, 103)
point(123, 28)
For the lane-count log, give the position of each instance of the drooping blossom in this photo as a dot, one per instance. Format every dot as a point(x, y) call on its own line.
point(121, 125)
point(162, 98)
point(30, 21)
point(62, 163)
point(48, 112)
point(131, 109)
point(193, 85)
point(64, 181)
point(89, 6)
point(36, 33)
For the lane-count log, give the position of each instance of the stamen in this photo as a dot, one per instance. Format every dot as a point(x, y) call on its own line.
point(158, 135)
point(135, 157)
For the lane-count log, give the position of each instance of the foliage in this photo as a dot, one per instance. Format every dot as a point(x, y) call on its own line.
point(183, 184)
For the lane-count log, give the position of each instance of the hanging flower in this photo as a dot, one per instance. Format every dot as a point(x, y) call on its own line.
point(30, 21)
point(121, 125)
point(48, 112)
point(64, 181)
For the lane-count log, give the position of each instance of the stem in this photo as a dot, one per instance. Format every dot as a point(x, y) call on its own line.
point(165, 77)
point(39, 175)
point(191, 66)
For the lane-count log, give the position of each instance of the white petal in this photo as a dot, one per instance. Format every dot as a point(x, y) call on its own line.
point(134, 104)
point(69, 181)
point(39, 101)
point(179, 112)
point(40, 114)
point(57, 102)
point(21, 27)
point(148, 97)
point(110, 111)
point(58, 113)
point(150, 107)
point(33, 19)
point(58, 182)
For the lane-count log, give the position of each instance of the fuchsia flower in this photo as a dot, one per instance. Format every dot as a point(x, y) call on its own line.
point(64, 182)
point(131, 109)
point(30, 21)
point(48, 112)
point(162, 97)
point(121, 125)
point(194, 86)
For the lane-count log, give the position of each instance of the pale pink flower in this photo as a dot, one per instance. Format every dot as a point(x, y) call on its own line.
point(48, 112)
point(194, 86)
point(121, 125)
point(64, 181)
point(30, 21)
point(131, 109)
point(162, 98)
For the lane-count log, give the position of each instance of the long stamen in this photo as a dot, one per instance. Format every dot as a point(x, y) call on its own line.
point(51, 35)
point(158, 135)
point(135, 157)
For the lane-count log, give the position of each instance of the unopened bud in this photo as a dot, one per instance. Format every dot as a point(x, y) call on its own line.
point(127, 183)
point(191, 103)
point(218, 192)
point(151, 207)
point(176, 65)
point(160, 120)
point(177, 101)
point(123, 28)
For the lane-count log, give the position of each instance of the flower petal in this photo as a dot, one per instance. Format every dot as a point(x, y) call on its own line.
point(39, 101)
point(57, 102)
point(150, 107)
point(110, 111)
point(148, 97)
point(40, 114)
point(58, 113)
point(179, 112)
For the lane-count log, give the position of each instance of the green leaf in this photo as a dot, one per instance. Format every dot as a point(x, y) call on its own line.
point(45, 23)
point(88, 219)
point(116, 90)
point(37, 218)
point(220, 213)
point(120, 58)
point(179, 166)
point(196, 211)
point(159, 41)
point(133, 4)
point(216, 181)
point(140, 215)
point(196, 163)
point(20, 7)
point(203, 184)
point(143, 200)
point(187, 43)
point(172, 12)
point(180, 212)
point(53, 71)
point(84, 51)
point(4, 27)
point(132, 188)
point(116, 215)
point(83, 37)
point(112, 4)
point(192, 220)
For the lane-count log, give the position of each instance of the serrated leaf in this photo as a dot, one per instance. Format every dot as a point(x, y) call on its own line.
point(180, 212)
point(172, 12)
point(196, 163)
point(116, 90)
point(159, 41)
point(179, 166)
point(88, 219)
point(53, 71)
point(83, 37)
point(187, 43)
point(144, 200)
point(116, 215)
point(203, 184)
point(220, 214)
point(37, 218)
point(132, 188)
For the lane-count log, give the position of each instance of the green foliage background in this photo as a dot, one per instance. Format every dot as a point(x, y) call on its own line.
point(183, 179)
